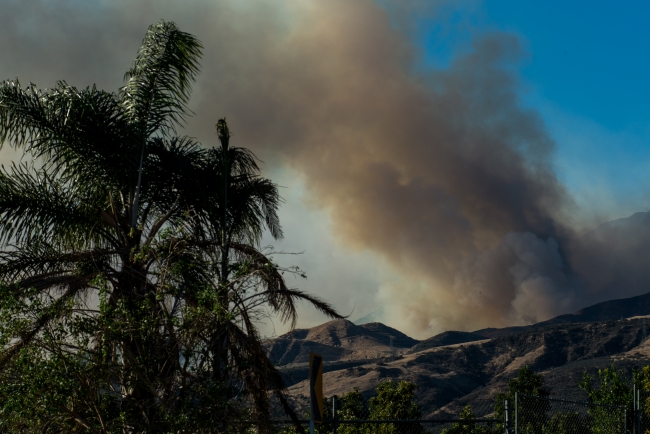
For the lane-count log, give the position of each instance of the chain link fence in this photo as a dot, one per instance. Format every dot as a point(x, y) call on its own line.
point(542, 415)
point(641, 412)
point(526, 415)
point(370, 426)
point(361, 415)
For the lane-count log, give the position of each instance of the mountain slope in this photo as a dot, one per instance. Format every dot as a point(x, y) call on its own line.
point(447, 376)
point(336, 341)
point(445, 339)
point(605, 311)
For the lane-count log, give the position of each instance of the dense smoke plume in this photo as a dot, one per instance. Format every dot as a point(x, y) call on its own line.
point(440, 172)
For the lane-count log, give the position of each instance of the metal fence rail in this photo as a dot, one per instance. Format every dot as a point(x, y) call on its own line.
point(439, 426)
point(545, 415)
point(358, 418)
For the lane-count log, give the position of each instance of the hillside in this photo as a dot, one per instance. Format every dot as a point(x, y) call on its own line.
point(451, 376)
point(338, 340)
point(605, 311)
point(444, 339)
point(455, 368)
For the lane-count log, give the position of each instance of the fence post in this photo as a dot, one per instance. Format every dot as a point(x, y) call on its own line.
point(638, 413)
point(334, 416)
point(634, 409)
point(516, 412)
point(507, 417)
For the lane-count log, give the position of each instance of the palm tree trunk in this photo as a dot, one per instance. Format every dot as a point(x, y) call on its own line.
point(221, 347)
point(138, 350)
point(136, 199)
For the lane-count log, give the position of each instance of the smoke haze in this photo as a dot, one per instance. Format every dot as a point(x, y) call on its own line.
point(442, 174)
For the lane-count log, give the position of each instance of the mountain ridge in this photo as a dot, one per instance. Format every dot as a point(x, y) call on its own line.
point(604, 311)
point(337, 340)
point(449, 377)
point(456, 368)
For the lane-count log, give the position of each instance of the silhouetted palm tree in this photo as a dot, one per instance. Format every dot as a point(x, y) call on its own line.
point(130, 256)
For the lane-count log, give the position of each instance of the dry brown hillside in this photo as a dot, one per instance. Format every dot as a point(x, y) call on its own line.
point(451, 375)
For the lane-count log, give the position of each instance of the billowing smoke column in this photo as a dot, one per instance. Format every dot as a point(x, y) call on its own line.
point(442, 173)
point(431, 170)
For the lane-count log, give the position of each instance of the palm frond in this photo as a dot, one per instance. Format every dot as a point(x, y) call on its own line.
point(169, 174)
point(253, 201)
point(37, 208)
point(31, 262)
point(80, 133)
point(260, 376)
point(253, 208)
point(280, 298)
point(58, 281)
point(159, 83)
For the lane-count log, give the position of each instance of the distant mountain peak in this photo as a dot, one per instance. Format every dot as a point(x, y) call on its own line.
point(336, 340)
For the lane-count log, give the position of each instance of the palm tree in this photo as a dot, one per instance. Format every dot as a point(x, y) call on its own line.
point(132, 274)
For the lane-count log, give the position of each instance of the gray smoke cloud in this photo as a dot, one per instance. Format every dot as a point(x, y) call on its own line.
point(443, 174)
point(533, 288)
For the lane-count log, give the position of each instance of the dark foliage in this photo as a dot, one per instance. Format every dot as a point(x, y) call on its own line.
point(132, 276)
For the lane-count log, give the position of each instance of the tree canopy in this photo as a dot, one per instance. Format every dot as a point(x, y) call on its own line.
point(132, 277)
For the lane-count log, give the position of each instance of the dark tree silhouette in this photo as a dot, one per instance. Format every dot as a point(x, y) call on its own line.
point(131, 268)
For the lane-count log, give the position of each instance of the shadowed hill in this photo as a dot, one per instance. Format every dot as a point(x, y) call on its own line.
point(337, 340)
point(444, 339)
point(605, 311)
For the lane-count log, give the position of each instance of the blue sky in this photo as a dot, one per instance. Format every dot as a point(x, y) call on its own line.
point(587, 71)
point(591, 61)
